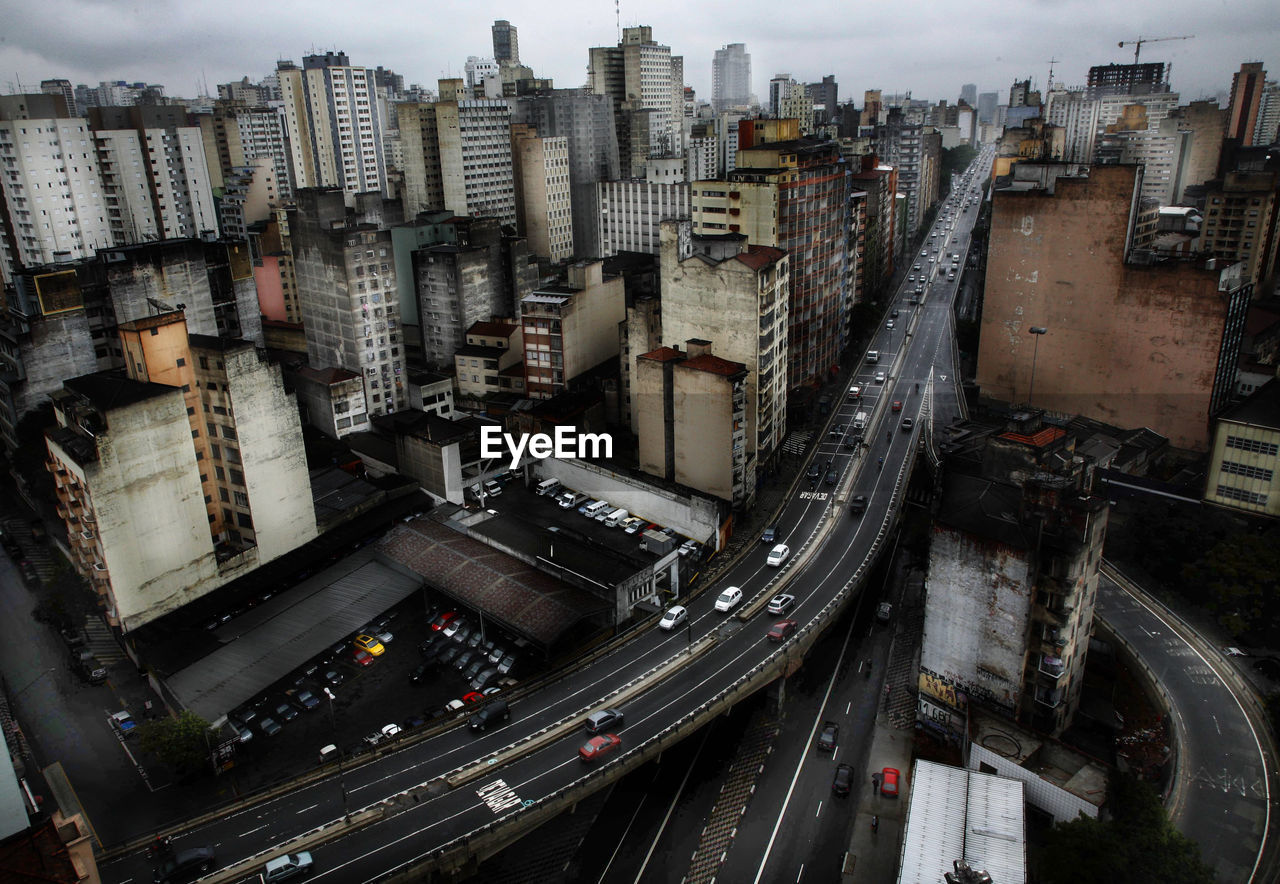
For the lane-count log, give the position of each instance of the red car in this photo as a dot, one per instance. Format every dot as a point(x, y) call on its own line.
point(889, 782)
point(897, 405)
point(361, 656)
point(443, 620)
point(598, 747)
point(780, 631)
point(472, 697)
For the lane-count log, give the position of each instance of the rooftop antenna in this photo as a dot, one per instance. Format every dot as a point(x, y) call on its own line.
point(617, 14)
point(1052, 62)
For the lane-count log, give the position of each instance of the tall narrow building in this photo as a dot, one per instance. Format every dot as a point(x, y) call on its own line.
point(1246, 99)
point(645, 81)
point(506, 43)
point(731, 77)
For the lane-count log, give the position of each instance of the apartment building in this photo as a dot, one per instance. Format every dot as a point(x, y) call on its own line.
point(570, 328)
point(236, 134)
point(642, 77)
point(491, 361)
point(731, 77)
point(722, 289)
point(347, 291)
point(631, 210)
point(543, 203)
point(329, 399)
point(1246, 99)
point(1244, 457)
point(1241, 215)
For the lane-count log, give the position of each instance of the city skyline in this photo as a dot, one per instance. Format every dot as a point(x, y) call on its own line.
point(928, 49)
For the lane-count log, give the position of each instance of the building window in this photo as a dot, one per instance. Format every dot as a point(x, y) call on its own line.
point(1241, 495)
point(220, 474)
point(223, 495)
point(1244, 469)
point(237, 478)
point(244, 521)
point(216, 451)
point(181, 362)
point(1254, 445)
point(228, 432)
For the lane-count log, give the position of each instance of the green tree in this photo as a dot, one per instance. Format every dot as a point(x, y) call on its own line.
point(956, 159)
point(1137, 845)
point(1238, 577)
point(183, 742)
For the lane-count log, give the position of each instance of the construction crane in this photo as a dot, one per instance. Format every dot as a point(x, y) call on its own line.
point(1137, 44)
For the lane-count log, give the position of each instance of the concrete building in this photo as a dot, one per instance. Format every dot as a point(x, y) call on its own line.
point(1207, 123)
point(506, 42)
point(63, 88)
point(587, 121)
point(1072, 111)
point(631, 210)
point(719, 288)
point(332, 123)
point(1161, 151)
point(690, 421)
point(794, 196)
point(1156, 106)
point(250, 197)
point(1241, 215)
point(491, 361)
point(329, 399)
point(273, 274)
point(1153, 344)
point(969, 94)
point(1246, 98)
point(237, 134)
point(477, 70)
point(570, 328)
point(879, 183)
point(1013, 574)
point(347, 289)
point(159, 513)
point(170, 183)
point(1244, 458)
point(441, 455)
point(1268, 131)
point(431, 392)
point(543, 202)
point(915, 151)
point(457, 155)
point(731, 77)
point(1127, 79)
point(987, 103)
point(642, 77)
point(43, 158)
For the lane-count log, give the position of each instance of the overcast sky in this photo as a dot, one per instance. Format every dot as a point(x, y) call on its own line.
point(929, 48)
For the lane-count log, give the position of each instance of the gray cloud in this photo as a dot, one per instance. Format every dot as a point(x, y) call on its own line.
point(929, 48)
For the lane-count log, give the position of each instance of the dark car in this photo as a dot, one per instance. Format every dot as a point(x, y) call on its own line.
point(285, 712)
point(484, 677)
point(813, 472)
point(769, 535)
point(781, 630)
point(833, 476)
point(306, 700)
point(184, 865)
point(419, 673)
point(433, 640)
point(268, 726)
point(448, 655)
point(842, 782)
point(333, 678)
point(858, 505)
point(464, 660)
point(473, 668)
point(828, 736)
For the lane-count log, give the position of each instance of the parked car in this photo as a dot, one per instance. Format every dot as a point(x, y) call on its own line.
point(123, 722)
point(599, 747)
point(443, 620)
point(828, 736)
point(673, 618)
point(369, 643)
point(729, 599)
point(505, 664)
point(269, 726)
point(483, 678)
point(287, 867)
point(451, 630)
point(473, 669)
point(461, 634)
point(285, 712)
point(361, 657)
point(889, 782)
point(781, 603)
point(419, 674)
point(333, 678)
point(782, 630)
point(472, 697)
point(390, 730)
point(306, 700)
point(448, 655)
point(464, 660)
point(778, 555)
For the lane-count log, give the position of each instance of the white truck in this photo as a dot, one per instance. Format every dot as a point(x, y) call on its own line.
point(860, 421)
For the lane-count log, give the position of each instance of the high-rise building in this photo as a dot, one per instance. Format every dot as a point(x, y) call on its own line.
point(1127, 79)
point(182, 476)
point(477, 70)
point(236, 134)
point(1206, 122)
point(987, 102)
point(506, 42)
point(1268, 130)
point(457, 155)
point(969, 94)
point(720, 288)
point(48, 156)
point(347, 291)
point(1241, 215)
point(731, 77)
point(1072, 111)
point(587, 121)
point(63, 88)
point(1151, 344)
point(631, 210)
point(824, 98)
point(543, 203)
point(1161, 151)
point(332, 123)
point(793, 195)
point(915, 150)
point(779, 89)
point(1246, 98)
point(645, 81)
point(155, 175)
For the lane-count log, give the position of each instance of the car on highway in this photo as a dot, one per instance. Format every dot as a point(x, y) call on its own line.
point(778, 555)
point(287, 867)
point(184, 865)
point(604, 720)
point(781, 604)
point(897, 405)
point(828, 736)
point(880, 377)
point(781, 631)
point(907, 424)
point(889, 782)
point(813, 473)
point(855, 392)
point(361, 657)
point(842, 782)
point(729, 599)
point(833, 476)
point(889, 324)
point(769, 534)
point(884, 612)
point(858, 505)
point(673, 618)
point(599, 747)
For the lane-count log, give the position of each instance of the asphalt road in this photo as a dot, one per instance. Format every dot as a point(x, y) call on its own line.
point(420, 820)
point(1223, 799)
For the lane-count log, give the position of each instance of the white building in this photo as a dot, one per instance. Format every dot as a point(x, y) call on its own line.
point(56, 207)
point(1072, 111)
point(646, 77)
point(156, 183)
point(478, 70)
point(731, 77)
point(632, 209)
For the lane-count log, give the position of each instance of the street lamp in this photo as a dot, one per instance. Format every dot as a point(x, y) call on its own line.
point(1039, 331)
point(342, 782)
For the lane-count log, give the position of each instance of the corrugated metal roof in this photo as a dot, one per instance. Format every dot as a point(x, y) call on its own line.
point(961, 814)
point(274, 639)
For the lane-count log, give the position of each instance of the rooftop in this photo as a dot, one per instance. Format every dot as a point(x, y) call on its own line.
point(663, 354)
point(109, 390)
point(714, 365)
point(326, 376)
point(493, 329)
point(1260, 409)
point(761, 256)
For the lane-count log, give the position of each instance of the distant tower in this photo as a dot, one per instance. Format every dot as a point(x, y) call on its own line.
point(506, 45)
point(1246, 96)
point(731, 77)
point(969, 94)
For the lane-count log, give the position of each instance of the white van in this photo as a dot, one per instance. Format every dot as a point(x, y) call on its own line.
point(873, 356)
point(860, 420)
point(549, 486)
point(597, 508)
point(615, 518)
